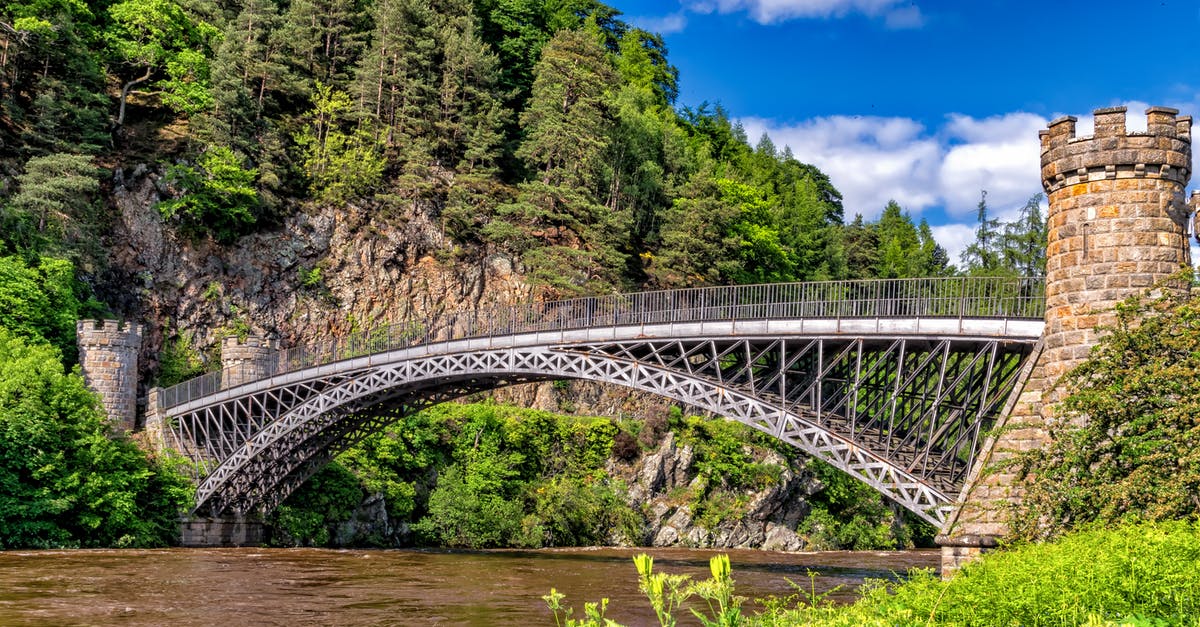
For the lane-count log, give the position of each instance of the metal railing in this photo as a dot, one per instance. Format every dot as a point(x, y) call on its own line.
point(952, 297)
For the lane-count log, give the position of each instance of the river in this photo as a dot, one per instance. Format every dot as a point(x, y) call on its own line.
point(295, 587)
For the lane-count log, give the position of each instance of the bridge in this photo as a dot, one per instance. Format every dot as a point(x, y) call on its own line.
point(895, 382)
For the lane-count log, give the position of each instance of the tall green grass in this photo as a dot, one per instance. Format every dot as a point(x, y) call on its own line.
point(1140, 574)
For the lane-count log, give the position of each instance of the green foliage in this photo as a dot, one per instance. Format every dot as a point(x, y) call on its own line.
point(217, 196)
point(311, 514)
point(342, 162)
point(52, 209)
point(150, 36)
point(848, 514)
point(1126, 444)
point(38, 301)
point(179, 360)
point(69, 481)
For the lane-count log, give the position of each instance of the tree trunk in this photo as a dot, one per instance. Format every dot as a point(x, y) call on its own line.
point(125, 94)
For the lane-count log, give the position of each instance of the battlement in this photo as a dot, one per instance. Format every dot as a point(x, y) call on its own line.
point(108, 333)
point(1112, 152)
point(251, 341)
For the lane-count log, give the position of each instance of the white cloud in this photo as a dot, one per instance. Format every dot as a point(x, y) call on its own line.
point(954, 238)
point(1000, 154)
point(896, 13)
point(664, 25)
point(875, 159)
point(872, 160)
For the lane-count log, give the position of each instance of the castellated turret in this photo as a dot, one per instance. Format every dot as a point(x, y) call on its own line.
point(245, 360)
point(108, 358)
point(1117, 222)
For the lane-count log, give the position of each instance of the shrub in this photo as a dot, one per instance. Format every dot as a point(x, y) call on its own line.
point(217, 195)
point(1126, 446)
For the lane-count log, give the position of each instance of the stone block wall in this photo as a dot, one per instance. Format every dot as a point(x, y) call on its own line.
point(1116, 227)
point(246, 360)
point(108, 358)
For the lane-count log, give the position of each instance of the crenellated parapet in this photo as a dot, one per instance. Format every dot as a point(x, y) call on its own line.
point(108, 358)
point(246, 359)
point(1117, 222)
point(1163, 151)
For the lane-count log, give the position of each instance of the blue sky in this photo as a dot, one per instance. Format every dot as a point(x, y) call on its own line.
point(927, 102)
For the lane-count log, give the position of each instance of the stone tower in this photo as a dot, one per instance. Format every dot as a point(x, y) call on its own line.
point(1117, 225)
point(1117, 222)
point(246, 360)
point(108, 356)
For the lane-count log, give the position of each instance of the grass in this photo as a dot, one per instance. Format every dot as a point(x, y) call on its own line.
point(1141, 575)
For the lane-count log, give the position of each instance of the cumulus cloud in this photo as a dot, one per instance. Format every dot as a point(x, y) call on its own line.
point(875, 159)
point(954, 238)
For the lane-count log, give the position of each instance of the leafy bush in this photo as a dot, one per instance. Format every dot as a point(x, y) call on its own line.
point(1126, 446)
point(179, 360)
point(311, 513)
point(217, 195)
point(38, 301)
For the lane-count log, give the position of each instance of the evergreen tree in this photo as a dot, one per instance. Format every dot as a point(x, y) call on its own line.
point(324, 37)
point(52, 209)
point(570, 242)
point(862, 249)
point(935, 261)
point(1024, 241)
point(899, 245)
point(982, 257)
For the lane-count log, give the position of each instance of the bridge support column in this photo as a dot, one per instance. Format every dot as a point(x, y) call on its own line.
point(220, 532)
point(108, 359)
point(1117, 225)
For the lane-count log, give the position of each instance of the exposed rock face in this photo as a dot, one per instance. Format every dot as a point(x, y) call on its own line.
point(372, 271)
point(660, 480)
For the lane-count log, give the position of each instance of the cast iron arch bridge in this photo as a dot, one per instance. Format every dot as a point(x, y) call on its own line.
point(895, 382)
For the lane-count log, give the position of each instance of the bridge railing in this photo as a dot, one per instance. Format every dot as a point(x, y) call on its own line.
point(948, 297)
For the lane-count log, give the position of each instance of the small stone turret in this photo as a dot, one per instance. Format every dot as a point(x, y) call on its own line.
point(108, 356)
point(1117, 222)
point(246, 360)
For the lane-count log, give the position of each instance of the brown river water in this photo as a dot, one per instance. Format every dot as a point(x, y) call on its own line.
point(294, 587)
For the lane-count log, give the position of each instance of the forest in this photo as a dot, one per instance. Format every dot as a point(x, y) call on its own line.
point(545, 130)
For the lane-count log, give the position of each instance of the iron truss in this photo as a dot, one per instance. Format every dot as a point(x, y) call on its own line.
point(903, 414)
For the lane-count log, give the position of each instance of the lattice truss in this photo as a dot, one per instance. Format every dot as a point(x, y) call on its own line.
point(904, 415)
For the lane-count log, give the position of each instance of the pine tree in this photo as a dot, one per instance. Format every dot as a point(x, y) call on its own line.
point(571, 243)
point(862, 249)
point(324, 38)
point(982, 257)
point(1024, 241)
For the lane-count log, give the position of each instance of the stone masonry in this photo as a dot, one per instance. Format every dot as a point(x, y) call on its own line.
point(108, 355)
point(246, 360)
point(1117, 226)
